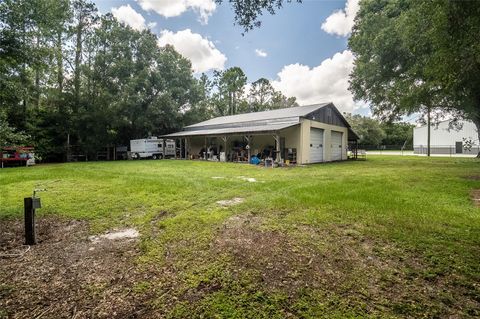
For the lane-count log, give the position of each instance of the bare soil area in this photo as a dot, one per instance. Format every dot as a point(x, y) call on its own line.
point(473, 177)
point(67, 275)
point(340, 261)
point(475, 195)
point(71, 275)
point(230, 202)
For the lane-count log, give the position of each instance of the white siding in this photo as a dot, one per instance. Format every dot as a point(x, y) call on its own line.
point(442, 136)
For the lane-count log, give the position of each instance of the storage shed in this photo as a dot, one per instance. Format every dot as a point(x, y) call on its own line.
point(304, 134)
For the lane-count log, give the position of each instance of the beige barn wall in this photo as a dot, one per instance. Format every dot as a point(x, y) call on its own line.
point(304, 157)
point(292, 137)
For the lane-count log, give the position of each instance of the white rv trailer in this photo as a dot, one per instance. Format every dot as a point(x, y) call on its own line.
point(152, 147)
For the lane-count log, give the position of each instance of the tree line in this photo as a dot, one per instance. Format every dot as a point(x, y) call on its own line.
point(70, 76)
point(374, 133)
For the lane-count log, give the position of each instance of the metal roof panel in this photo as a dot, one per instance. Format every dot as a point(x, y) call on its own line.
point(297, 111)
point(233, 130)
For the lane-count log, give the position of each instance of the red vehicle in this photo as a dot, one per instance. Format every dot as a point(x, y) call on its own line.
point(17, 156)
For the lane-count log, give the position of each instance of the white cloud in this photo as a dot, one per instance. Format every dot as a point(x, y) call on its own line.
point(327, 82)
point(261, 53)
point(202, 52)
point(174, 8)
point(341, 22)
point(128, 15)
point(151, 25)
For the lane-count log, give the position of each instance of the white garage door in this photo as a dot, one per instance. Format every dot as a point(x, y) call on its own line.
point(316, 145)
point(337, 146)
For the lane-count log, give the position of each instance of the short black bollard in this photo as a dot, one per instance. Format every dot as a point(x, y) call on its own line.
point(30, 203)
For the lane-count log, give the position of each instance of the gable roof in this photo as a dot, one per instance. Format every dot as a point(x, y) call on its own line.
point(256, 122)
point(298, 111)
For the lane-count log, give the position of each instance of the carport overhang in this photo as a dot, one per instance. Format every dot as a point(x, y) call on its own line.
point(242, 130)
point(246, 131)
point(352, 136)
point(353, 141)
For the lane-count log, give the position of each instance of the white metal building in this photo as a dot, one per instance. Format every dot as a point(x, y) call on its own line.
point(445, 140)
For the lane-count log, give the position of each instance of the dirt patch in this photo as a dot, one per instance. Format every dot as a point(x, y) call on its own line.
point(239, 222)
point(339, 260)
point(475, 196)
point(230, 202)
point(161, 216)
point(278, 260)
point(473, 177)
point(66, 275)
point(248, 179)
point(122, 234)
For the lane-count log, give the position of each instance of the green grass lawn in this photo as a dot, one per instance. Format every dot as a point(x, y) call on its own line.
point(387, 237)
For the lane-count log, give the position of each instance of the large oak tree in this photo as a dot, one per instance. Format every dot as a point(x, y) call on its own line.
point(413, 56)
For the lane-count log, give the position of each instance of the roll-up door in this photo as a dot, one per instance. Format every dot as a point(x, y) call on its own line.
point(316, 145)
point(336, 146)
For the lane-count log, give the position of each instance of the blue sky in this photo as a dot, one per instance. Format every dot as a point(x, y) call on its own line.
point(302, 49)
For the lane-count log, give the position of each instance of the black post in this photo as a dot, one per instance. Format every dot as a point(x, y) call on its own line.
point(29, 221)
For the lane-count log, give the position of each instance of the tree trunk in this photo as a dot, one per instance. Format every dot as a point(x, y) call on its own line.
point(234, 104)
point(59, 63)
point(78, 60)
point(478, 133)
point(428, 130)
point(476, 121)
point(37, 75)
point(24, 80)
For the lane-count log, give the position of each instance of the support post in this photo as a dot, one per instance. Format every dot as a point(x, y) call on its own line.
point(186, 148)
point(29, 221)
point(205, 148)
point(248, 149)
point(277, 148)
point(175, 150)
point(224, 138)
point(181, 148)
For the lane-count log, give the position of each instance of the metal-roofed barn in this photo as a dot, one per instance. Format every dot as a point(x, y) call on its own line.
point(303, 134)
